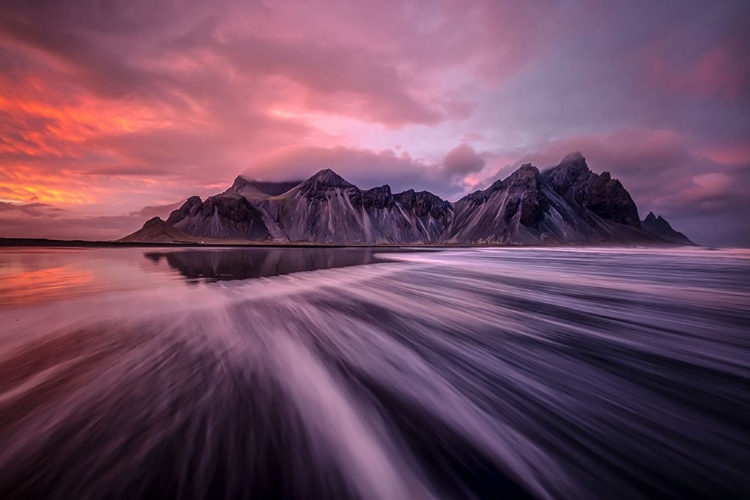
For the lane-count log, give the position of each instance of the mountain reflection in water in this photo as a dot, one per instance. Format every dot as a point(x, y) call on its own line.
point(474, 373)
point(239, 264)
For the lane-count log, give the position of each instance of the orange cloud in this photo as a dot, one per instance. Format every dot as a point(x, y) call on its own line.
point(46, 122)
point(24, 183)
point(46, 136)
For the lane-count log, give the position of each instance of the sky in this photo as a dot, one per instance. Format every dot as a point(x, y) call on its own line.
point(112, 112)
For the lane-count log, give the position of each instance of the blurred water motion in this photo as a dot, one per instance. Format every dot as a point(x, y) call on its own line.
point(490, 373)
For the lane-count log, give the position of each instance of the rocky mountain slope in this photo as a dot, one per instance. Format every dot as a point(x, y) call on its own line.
point(660, 227)
point(158, 231)
point(565, 204)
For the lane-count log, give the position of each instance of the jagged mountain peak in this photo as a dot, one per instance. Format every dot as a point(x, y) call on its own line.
point(579, 186)
point(156, 230)
point(242, 186)
point(524, 173)
point(253, 189)
point(154, 222)
point(657, 221)
point(323, 183)
point(575, 157)
point(328, 178)
point(568, 171)
point(565, 204)
point(190, 206)
point(240, 182)
point(659, 226)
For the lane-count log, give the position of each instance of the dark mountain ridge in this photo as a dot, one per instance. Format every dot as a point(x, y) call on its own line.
point(566, 204)
point(660, 227)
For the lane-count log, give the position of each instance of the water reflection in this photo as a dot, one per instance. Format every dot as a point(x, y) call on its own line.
point(480, 373)
point(37, 275)
point(238, 264)
point(18, 287)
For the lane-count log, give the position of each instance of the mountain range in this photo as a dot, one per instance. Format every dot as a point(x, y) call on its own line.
point(566, 204)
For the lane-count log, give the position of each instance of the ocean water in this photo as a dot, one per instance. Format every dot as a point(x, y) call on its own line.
point(345, 373)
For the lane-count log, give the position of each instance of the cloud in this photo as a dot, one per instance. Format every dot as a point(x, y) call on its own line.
point(714, 183)
point(337, 79)
point(133, 103)
point(367, 168)
point(128, 170)
point(162, 211)
point(98, 228)
point(675, 61)
point(35, 210)
point(462, 161)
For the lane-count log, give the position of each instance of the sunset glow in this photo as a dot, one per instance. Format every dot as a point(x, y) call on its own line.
point(110, 114)
point(414, 249)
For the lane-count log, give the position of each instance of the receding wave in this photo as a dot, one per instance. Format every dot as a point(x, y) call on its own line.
point(462, 374)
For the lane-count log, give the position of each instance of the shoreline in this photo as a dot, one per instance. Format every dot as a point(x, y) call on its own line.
point(42, 242)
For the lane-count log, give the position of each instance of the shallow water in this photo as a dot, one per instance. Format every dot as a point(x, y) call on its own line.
point(338, 373)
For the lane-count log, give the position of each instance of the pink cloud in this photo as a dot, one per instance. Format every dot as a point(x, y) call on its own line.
point(736, 154)
point(713, 183)
point(459, 169)
point(462, 161)
point(141, 103)
point(719, 67)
